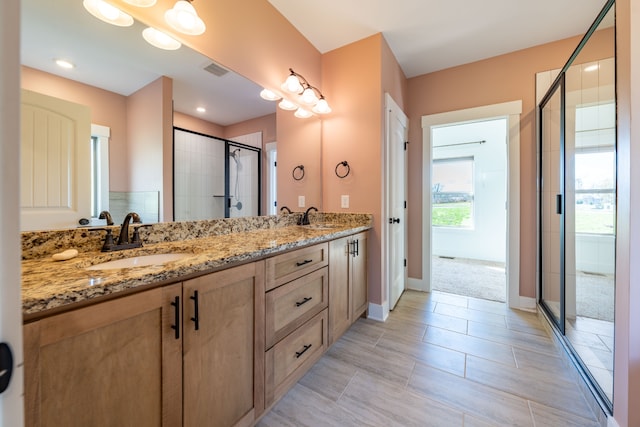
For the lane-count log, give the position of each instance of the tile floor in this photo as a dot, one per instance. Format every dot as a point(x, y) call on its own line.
point(439, 360)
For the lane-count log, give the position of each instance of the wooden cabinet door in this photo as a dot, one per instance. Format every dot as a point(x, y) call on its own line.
point(339, 289)
point(117, 363)
point(358, 273)
point(223, 346)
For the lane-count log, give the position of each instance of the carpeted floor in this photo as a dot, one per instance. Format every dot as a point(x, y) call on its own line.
point(472, 278)
point(487, 280)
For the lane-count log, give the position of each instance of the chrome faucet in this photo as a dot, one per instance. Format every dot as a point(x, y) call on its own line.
point(123, 239)
point(305, 218)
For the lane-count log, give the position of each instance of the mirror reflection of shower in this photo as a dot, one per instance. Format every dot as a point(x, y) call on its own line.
point(235, 192)
point(216, 177)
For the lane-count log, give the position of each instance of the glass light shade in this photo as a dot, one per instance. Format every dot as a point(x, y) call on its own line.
point(302, 113)
point(108, 13)
point(141, 3)
point(285, 104)
point(309, 96)
point(268, 95)
point(160, 40)
point(292, 84)
point(322, 107)
point(183, 18)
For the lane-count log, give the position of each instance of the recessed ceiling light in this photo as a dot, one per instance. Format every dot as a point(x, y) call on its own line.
point(64, 64)
point(201, 110)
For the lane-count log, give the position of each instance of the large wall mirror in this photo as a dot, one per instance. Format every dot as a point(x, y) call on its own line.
point(136, 95)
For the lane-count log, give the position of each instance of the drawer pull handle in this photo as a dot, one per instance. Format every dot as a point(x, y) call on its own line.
point(176, 327)
point(304, 301)
point(304, 349)
point(196, 315)
point(306, 261)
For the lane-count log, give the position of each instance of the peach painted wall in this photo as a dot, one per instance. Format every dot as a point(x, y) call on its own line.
point(355, 78)
point(503, 78)
point(626, 393)
point(150, 142)
point(196, 124)
point(107, 109)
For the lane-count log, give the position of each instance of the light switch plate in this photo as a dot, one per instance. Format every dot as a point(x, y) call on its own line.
point(301, 201)
point(344, 201)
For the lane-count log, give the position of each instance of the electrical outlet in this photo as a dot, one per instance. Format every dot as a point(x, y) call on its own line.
point(344, 201)
point(301, 201)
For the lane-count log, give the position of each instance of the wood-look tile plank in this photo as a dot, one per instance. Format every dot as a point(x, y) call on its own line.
point(329, 377)
point(480, 401)
point(468, 314)
point(395, 406)
point(510, 337)
point(546, 388)
point(450, 299)
point(416, 299)
point(471, 345)
point(487, 305)
point(433, 319)
point(524, 321)
point(545, 416)
point(429, 354)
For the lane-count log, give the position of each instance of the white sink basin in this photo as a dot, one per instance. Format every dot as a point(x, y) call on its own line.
point(138, 261)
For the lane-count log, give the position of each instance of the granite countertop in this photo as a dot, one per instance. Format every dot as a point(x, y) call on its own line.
point(50, 286)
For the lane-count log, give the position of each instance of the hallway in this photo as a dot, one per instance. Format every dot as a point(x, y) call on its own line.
point(439, 360)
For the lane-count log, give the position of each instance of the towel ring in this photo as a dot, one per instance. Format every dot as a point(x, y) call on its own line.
point(346, 165)
point(299, 175)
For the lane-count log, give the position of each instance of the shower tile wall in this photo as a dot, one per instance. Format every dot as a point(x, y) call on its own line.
point(198, 177)
point(144, 203)
point(248, 183)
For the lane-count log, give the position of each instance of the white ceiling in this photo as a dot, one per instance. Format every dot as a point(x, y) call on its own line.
point(431, 35)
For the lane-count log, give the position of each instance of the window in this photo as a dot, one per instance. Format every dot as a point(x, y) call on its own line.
point(595, 191)
point(452, 192)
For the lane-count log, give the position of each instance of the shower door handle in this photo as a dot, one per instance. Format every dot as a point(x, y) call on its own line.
point(559, 204)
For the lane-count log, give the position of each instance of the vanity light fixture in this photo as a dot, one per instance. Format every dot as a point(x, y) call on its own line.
point(141, 3)
point(285, 104)
point(184, 18)
point(159, 39)
point(301, 113)
point(108, 13)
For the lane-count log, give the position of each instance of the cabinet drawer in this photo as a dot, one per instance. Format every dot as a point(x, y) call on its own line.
point(290, 359)
point(286, 267)
point(292, 304)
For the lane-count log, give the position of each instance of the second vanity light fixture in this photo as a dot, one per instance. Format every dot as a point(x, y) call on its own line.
point(308, 97)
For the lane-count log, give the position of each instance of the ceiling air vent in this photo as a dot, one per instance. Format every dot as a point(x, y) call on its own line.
point(215, 69)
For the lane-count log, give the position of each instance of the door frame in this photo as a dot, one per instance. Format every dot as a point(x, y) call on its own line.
point(512, 111)
point(391, 107)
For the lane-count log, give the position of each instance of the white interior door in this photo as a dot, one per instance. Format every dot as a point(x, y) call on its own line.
point(55, 181)
point(396, 180)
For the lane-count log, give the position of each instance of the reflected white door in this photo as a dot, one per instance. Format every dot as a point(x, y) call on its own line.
point(396, 179)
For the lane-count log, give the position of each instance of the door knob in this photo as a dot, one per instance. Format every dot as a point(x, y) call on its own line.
point(394, 220)
point(6, 366)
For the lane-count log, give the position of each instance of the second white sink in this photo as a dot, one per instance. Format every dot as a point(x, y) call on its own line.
point(138, 261)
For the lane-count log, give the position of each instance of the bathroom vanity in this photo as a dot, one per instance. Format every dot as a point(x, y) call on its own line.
point(213, 338)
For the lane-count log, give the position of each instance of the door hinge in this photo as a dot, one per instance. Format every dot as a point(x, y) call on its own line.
point(405, 204)
point(405, 262)
point(275, 164)
point(405, 145)
point(275, 204)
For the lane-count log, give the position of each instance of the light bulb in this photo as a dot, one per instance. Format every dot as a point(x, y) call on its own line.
point(309, 96)
point(183, 18)
point(107, 13)
point(322, 107)
point(285, 104)
point(292, 84)
point(302, 113)
point(141, 3)
point(268, 95)
point(159, 39)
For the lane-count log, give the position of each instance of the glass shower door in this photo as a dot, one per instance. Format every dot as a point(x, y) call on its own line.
point(551, 189)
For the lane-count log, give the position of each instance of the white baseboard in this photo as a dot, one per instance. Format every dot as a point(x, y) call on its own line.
point(611, 422)
point(527, 304)
point(378, 312)
point(417, 285)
